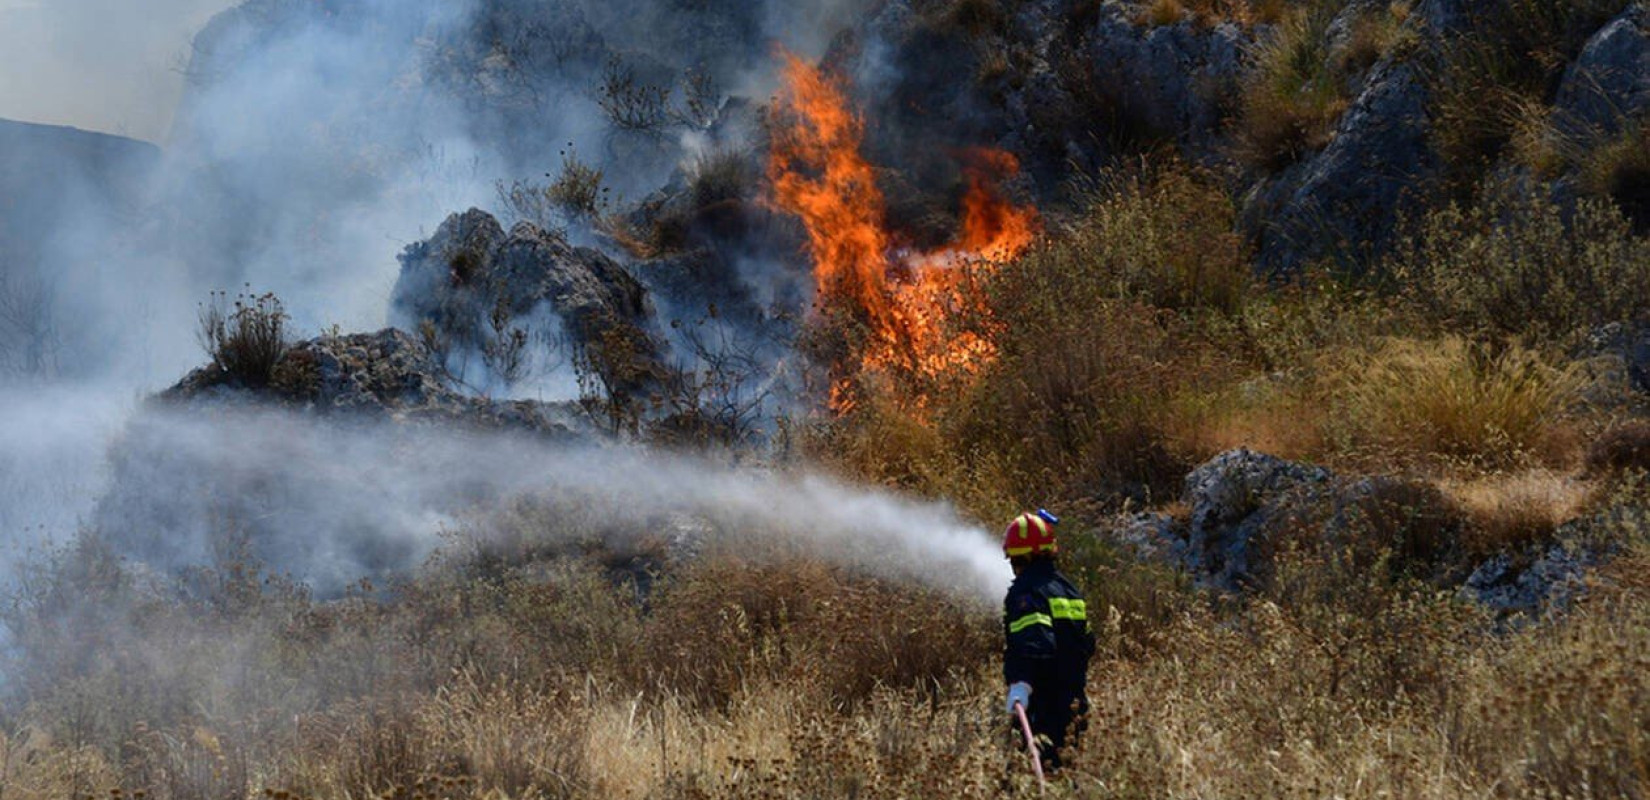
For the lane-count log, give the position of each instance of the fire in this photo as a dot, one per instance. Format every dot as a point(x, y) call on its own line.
point(818, 173)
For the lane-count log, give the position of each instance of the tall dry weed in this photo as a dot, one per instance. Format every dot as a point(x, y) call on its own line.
point(1420, 399)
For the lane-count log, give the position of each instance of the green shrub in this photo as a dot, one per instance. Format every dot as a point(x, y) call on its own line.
point(1512, 265)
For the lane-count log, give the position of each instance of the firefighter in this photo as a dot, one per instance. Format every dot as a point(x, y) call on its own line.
point(1047, 637)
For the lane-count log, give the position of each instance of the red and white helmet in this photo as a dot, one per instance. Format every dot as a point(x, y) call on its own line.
point(1030, 534)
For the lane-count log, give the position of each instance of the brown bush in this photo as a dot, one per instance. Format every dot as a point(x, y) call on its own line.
point(728, 625)
point(1623, 447)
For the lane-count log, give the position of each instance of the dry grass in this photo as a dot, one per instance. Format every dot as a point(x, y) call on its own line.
point(1281, 699)
point(1247, 13)
point(1619, 169)
point(1510, 510)
point(1295, 95)
point(1303, 81)
point(1485, 81)
point(1448, 398)
point(1097, 342)
point(1625, 446)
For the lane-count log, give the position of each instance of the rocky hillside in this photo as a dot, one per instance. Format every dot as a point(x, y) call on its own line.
point(47, 175)
point(1323, 325)
point(49, 172)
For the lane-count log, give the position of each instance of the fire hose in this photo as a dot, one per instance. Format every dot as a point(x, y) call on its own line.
point(1031, 746)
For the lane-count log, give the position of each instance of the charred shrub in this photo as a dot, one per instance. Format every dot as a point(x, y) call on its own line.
point(973, 19)
point(246, 340)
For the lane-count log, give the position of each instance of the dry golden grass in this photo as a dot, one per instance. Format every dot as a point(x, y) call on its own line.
point(1421, 400)
point(1513, 509)
point(1278, 700)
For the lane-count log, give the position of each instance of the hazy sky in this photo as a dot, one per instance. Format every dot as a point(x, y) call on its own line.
point(105, 65)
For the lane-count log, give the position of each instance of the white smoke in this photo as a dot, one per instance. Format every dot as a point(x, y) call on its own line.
point(314, 142)
point(104, 65)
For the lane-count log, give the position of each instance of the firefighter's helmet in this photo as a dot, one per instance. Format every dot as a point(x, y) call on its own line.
point(1031, 534)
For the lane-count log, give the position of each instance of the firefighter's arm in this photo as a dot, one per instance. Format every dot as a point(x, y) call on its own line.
point(1028, 636)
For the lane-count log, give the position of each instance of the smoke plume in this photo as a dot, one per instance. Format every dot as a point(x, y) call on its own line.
point(312, 143)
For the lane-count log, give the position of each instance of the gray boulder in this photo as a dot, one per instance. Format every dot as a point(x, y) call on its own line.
point(1620, 356)
point(1234, 498)
point(1176, 79)
point(1529, 582)
point(1609, 84)
point(471, 281)
point(1151, 537)
point(471, 267)
point(1245, 507)
point(1378, 165)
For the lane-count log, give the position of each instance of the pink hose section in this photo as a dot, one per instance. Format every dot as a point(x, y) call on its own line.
point(1031, 745)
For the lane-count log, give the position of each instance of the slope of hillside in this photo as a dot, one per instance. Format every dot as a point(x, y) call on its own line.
point(1324, 326)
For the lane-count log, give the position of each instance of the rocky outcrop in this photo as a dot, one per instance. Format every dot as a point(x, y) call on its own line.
point(1177, 79)
point(1621, 354)
point(1608, 87)
point(1531, 581)
point(471, 267)
point(387, 376)
point(1246, 507)
point(1344, 200)
point(471, 281)
point(1235, 498)
point(343, 465)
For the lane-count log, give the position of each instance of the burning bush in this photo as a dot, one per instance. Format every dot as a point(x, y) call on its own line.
point(890, 299)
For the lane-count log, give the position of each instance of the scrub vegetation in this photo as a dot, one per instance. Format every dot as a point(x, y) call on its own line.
point(1478, 365)
point(520, 664)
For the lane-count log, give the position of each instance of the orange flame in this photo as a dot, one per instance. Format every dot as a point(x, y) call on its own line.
point(818, 174)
